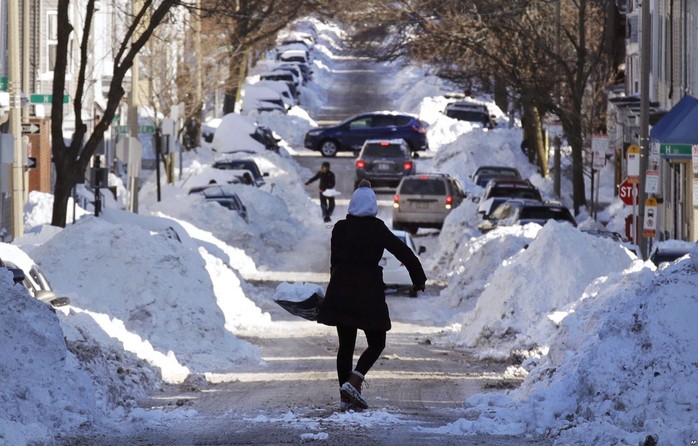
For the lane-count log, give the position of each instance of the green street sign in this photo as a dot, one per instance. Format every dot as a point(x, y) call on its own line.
point(46, 98)
point(4, 85)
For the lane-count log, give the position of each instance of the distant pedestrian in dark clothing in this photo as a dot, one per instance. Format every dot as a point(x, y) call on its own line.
point(355, 297)
point(327, 181)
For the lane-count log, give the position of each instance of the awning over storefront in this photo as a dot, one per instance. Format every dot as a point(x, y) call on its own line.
point(677, 131)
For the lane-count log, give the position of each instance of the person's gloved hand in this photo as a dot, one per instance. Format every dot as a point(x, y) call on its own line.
point(417, 287)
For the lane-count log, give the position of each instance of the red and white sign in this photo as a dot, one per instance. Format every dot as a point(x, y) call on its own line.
point(627, 191)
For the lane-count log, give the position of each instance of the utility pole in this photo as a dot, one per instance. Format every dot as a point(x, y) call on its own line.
point(645, 64)
point(15, 119)
point(133, 126)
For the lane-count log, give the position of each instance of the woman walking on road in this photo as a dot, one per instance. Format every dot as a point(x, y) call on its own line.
point(355, 297)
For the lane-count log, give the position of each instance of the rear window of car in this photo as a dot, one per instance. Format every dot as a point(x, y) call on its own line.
point(497, 172)
point(389, 151)
point(401, 120)
point(423, 187)
point(515, 193)
point(467, 115)
point(545, 213)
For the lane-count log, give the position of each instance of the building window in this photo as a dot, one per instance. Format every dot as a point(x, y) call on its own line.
point(51, 38)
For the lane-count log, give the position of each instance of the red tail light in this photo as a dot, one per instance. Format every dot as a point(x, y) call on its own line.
point(449, 201)
point(385, 143)
point(396, 201)
point(407, 165)
point(360, 164)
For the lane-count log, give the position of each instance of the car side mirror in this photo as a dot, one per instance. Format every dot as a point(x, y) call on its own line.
point(421, 250)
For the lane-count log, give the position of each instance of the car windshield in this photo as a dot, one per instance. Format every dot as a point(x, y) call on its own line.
point(387, 151)
point(423, 187)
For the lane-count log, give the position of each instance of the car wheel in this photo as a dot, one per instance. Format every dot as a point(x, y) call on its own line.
point(328, 148)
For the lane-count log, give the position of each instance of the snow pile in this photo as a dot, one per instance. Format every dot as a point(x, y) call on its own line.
point(621, 367)
point(143, 289)
point(43, 387)
point(233, 134)
point(517, 308)
point(274, 211)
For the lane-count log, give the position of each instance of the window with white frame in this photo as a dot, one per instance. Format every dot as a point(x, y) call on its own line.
point(51, 39)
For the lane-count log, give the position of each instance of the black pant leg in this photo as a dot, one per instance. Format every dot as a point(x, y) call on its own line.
point(376, 344)
point(345, 353)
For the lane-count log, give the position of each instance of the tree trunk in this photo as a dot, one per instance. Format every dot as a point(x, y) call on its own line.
point(541, 147)
point(501, 97)
point(573, 132)
point(238, 72)
point(65, 181)
point(529, 131)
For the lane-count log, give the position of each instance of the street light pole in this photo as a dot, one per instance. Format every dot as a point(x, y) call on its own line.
point(15, 119)
point(645, 64)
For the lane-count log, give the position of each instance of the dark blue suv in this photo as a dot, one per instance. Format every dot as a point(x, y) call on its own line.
point(352, 133)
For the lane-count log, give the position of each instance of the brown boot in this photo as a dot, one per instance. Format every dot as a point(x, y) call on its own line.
point(352, 390)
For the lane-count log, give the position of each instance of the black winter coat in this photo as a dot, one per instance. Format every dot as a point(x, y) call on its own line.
point(327, 180)
point(355, 296)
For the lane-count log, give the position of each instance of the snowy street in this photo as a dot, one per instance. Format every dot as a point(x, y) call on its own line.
point(525, 335)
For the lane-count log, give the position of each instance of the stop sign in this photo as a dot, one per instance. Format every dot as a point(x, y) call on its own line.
point(628, 192)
